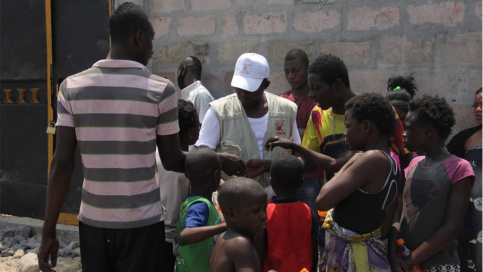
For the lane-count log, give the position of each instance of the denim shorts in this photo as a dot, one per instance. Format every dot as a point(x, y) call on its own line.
point(309, 191)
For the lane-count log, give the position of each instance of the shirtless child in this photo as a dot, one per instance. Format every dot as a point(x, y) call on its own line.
point(243, 202)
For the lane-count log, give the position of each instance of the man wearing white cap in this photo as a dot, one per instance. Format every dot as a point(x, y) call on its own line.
point(242, 122)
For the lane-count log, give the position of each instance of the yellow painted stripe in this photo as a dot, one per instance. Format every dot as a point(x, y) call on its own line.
point(110, 12)
point(50, 113)
point(48, 38)
point(68, 219)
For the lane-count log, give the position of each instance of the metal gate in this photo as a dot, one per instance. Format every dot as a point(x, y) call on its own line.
point(42, 42)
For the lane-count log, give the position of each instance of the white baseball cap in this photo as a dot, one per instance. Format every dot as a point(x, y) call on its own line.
point(250, 70)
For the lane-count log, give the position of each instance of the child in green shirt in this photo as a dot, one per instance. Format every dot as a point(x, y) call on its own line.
point(199, 219)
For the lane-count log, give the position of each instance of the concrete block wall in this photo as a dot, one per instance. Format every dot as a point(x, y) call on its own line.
point(438, 41)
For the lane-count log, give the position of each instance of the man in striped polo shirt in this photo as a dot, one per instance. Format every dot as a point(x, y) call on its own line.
point(116, 112)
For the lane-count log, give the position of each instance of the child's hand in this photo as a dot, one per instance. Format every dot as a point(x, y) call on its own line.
point(222, 227)
point(277, 141)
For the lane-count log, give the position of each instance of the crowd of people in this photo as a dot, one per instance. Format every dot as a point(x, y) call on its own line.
point(320, 178)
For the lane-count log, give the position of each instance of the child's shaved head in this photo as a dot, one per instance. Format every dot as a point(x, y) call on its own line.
point(238, 191)
point(201, 163)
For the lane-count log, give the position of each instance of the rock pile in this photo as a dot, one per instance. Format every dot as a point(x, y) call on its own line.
point(18, 252)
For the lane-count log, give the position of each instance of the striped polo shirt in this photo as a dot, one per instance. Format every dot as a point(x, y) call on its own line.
point(117, 108)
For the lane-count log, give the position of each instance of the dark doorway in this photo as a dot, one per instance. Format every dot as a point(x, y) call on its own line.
point(30, 72)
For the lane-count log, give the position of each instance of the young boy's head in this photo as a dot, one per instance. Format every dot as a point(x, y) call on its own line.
point(328, 80)
point(189, 124)
point(428, 117)
point(203, 169)
point(286, 175)
point(243, 202)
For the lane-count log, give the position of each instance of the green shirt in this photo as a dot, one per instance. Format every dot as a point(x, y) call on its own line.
point(195, 257)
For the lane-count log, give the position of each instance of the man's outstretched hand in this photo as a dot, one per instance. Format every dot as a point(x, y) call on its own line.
point(232, 165)
point(255, 168)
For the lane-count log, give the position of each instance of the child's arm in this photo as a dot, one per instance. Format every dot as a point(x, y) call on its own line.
point(457, 204)
point(397, 264)
point(195, 235)
point(327, 163)
point(195, 227)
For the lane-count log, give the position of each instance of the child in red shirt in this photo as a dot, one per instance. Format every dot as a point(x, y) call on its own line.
point(291, 235)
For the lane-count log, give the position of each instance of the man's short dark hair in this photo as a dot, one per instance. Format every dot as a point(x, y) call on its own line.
point(187, 116)
point(330, 68)
point(434, 111)
point(126, 20)
point(286, 171)
point(375, 108)
point(297, 54)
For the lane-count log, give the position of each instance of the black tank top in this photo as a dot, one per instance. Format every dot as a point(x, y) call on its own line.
point(363, 212)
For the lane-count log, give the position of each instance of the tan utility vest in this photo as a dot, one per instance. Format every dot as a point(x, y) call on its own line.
point(236, 134)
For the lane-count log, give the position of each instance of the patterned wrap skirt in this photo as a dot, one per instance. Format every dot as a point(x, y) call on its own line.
point(346, 250)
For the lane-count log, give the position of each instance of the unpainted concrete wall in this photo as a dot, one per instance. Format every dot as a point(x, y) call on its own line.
point(438, 41)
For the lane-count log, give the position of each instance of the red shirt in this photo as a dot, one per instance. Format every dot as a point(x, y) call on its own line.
point(305, 106)
point(304, 109)
point(290, 241)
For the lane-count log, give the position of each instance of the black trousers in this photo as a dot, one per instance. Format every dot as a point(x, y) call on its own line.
point(169, 258)
point(122, 250)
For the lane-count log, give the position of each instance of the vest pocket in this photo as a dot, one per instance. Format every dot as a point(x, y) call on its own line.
point(230, 147)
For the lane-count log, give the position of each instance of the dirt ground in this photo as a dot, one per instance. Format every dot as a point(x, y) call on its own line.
point(67, 264)
point(8, 264)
